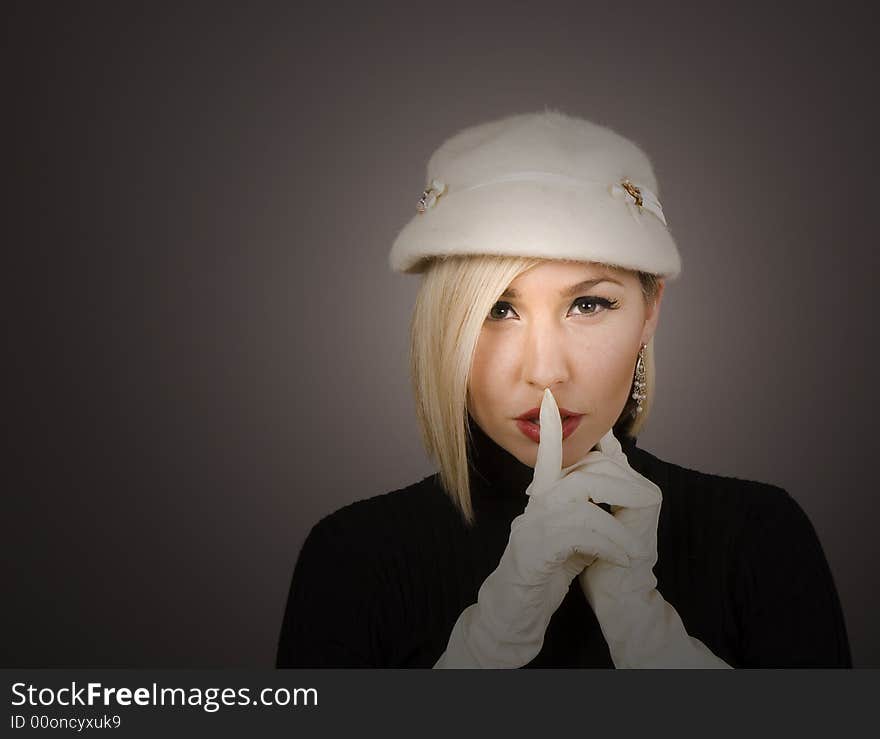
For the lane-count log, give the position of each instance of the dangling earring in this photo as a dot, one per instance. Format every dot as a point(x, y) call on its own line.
point(639, 383)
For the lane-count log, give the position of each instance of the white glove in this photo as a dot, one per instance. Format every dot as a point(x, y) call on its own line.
point(640, 627)
point(558, 534)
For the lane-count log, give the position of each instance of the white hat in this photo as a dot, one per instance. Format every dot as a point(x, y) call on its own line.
point(540, 185)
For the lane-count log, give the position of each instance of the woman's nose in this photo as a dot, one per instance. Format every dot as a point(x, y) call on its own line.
point(544, 358)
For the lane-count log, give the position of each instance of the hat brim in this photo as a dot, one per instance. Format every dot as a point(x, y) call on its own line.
point(537, 219)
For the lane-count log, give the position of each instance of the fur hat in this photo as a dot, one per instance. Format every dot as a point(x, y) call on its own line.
point(541, 185)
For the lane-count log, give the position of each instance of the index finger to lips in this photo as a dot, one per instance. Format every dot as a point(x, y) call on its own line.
point(548, 466)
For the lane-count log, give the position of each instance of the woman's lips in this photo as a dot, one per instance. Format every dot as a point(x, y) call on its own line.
point(533, 429)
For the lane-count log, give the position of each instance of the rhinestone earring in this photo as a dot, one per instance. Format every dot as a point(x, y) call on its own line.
point(639, 384)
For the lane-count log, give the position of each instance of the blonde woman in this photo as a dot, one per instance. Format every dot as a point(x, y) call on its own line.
point(548, 538)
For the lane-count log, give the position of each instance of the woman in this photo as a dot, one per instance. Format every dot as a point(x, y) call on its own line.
point(542, 541)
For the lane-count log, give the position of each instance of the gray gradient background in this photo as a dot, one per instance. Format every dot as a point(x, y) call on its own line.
point(208, 351)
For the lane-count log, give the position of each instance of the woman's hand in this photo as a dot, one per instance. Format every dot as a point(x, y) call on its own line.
point(640, 627)
point(558, 534)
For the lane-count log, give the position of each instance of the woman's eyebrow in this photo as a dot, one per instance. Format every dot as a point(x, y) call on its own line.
point(568, 292)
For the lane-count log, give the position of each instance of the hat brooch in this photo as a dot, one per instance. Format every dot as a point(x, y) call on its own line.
point(430, 195)
point(639, 196)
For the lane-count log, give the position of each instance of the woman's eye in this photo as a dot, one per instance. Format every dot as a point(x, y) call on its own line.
point(594, 301)
point(501, 309)
point(499, 306)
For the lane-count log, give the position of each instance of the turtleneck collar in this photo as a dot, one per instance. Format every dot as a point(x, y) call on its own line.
point(496, 474)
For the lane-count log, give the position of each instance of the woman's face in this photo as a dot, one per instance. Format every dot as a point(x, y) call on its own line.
point(580, 340)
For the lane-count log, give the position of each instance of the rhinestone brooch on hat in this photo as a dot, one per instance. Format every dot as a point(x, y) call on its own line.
point(638, 196)
point(430, 195)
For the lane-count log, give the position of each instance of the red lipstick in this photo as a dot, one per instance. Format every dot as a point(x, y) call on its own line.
point(535, 413)
point(529, 423)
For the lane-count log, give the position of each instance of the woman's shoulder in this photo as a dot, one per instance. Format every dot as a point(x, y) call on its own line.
point(752, 518)
point(703, 489)
point(351, 563)
point(381, 540)
point(401, 510)
point(779, 583)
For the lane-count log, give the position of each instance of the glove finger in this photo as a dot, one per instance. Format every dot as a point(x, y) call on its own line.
point(629, 492)
point(612, 465)
point(610, 446)
point(568, 543)
point(590, 483)
point(548, 466)
point(589, 518)
point(532, 529)
point(575, 564)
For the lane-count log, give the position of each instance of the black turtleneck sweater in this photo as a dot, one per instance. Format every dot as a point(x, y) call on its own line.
point(381, 582)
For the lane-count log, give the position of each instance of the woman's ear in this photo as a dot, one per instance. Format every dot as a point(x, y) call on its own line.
point(652, 314)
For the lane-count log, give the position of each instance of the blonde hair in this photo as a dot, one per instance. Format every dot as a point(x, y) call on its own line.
point(454, 298)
